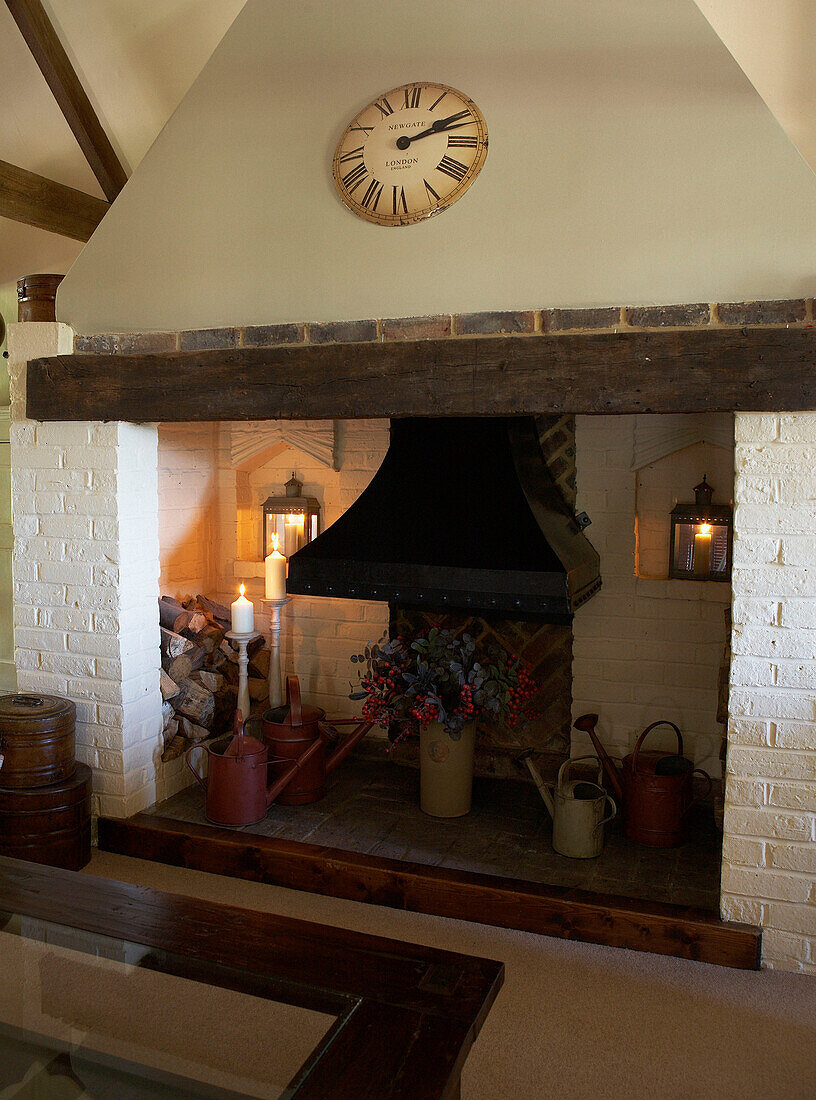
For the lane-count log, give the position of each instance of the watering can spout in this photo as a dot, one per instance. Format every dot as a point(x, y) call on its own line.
point(547, 799)
point(586, 724)
point(526, 758)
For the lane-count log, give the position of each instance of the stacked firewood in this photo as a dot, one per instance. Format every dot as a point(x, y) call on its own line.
point(199, 677)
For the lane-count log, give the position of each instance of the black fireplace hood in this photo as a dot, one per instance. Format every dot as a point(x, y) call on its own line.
point(462, 514)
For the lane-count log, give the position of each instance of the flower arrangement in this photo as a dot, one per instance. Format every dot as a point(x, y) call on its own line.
point(439, 676)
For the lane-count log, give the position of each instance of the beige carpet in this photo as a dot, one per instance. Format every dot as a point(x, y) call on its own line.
point(576, 1020)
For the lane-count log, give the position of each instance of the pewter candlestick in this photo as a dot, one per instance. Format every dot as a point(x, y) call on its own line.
point(242, 641)
point(274, 608)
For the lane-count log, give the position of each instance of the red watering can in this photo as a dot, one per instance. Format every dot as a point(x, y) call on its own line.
point(297, 733)
point(655, 787)
point(235, 788)
point(237, 791)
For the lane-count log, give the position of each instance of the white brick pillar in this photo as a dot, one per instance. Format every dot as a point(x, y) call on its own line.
point(769, 846)
point(86, 567)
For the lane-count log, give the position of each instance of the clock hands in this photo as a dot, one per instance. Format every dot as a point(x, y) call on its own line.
point(441, 124)
point(404, 141)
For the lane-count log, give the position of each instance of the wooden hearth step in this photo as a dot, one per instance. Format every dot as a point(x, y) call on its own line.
point(607, 919)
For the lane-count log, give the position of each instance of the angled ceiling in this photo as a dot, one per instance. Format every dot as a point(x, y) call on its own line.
point(135, 61)
point(775, 45)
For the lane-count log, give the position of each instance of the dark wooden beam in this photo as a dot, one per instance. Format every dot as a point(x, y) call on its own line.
point(65, 85)
point(35, 200)
point(751, 369)
point(489, 899)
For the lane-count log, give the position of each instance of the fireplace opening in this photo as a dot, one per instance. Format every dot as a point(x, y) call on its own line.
point(644, 648)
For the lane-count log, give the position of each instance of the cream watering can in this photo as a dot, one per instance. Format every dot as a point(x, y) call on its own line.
point(576, 807)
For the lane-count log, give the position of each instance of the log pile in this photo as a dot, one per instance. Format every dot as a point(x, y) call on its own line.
point(199, 677)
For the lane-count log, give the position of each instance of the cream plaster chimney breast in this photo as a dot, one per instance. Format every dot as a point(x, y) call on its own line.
point(630, 161)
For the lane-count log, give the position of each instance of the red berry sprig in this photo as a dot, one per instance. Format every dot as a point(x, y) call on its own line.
point(404, 705)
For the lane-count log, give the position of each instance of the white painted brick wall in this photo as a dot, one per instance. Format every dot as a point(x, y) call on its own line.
point(86, 580)
point(769, 847)
point(644, 649)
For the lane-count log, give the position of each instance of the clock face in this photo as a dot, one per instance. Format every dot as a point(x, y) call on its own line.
point(410, 153)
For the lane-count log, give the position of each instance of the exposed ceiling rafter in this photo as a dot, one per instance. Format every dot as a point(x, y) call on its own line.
point(67, 89)
point(35, 200)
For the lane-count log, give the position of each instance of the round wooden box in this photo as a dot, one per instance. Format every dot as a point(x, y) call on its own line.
point(36, 740)
point(49, 825)
point(36, 297)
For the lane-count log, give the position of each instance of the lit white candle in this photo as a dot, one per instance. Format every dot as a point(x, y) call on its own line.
point(275, 573)
point(702, 550)
point(292, 534)
point(243, 615)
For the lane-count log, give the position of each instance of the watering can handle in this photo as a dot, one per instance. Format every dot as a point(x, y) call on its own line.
point(614, 813)
point(642, 738)
point(700, 797)
point(192, 769)
point(293, 700)
point(328, 733)
point(574, 760)
point(252, 718)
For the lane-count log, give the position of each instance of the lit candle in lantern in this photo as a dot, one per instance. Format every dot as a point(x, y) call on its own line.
point(702, 550)
point(275, 573)
point(243, 615)
point(293, 533)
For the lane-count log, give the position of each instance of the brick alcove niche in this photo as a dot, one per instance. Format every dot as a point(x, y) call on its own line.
point(212, 486)
point(87, 574)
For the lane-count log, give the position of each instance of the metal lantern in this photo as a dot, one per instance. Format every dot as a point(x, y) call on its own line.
point(294, 518)
point(701, 537)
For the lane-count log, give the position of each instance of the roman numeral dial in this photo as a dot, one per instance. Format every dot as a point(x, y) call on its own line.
point(411, 153)
point(463, 141)
point(453, 168)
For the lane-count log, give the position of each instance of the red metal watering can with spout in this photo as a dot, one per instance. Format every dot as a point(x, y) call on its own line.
point(236, 784)
point(237, 787)
point(655, 787)
point(297, 732)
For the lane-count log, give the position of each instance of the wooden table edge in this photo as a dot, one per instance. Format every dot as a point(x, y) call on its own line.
point(106, 906)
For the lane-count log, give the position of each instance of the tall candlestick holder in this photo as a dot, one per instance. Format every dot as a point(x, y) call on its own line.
point(274, 607)
point(242, 641)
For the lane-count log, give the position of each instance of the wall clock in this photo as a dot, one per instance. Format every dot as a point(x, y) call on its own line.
point(410, 154)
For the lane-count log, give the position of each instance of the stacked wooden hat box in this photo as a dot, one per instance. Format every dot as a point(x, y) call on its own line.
point(45, 794)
